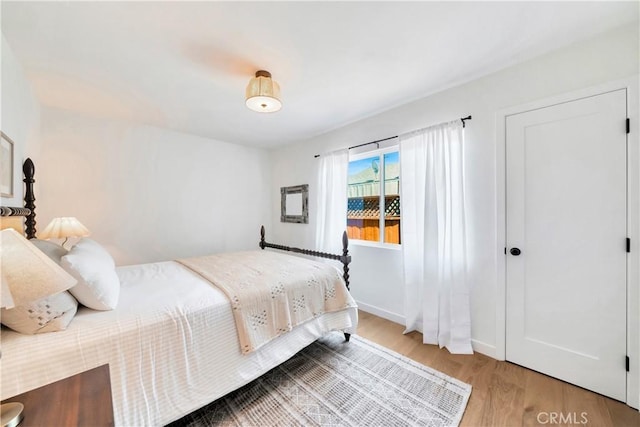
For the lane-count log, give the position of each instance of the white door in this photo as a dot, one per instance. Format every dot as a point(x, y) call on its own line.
point(566, 215)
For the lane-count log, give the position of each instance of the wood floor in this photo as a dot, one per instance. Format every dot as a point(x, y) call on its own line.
point(504, 394)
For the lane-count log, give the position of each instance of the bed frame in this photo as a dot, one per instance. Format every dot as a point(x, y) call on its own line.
point(345, 258)
point(29, 212)
point(29, 209)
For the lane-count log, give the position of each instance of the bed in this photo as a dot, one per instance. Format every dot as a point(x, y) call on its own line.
point(173, 353)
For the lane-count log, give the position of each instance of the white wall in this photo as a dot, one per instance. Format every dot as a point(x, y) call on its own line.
point(19, 117)
point(150, 194)
point(377, 273)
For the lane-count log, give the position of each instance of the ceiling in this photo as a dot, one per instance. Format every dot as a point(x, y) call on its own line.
point(185, 65)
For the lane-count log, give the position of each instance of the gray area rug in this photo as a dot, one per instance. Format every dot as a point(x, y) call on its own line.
point(335, 383)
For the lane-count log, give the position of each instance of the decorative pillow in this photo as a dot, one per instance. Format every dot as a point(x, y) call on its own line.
point(98, 284)
point(48, 314)
point(53, 251)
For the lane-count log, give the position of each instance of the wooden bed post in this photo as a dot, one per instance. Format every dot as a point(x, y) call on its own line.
point(29, 170)
point(262, 242)
point(345, 259)
point(28, 211)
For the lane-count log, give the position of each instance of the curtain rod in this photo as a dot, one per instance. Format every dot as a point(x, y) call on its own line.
point(378, 141)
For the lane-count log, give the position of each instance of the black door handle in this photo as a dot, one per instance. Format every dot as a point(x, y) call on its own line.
point(515, 251)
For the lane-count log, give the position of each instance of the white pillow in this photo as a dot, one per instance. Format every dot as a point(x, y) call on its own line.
point(48, 314)
point(98, 284)
point(53, 251)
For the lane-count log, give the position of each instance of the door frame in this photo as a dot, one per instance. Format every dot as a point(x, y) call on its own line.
point(632, 86)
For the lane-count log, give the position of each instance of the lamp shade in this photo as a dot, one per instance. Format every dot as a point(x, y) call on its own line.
point(27, 272)
point(6, 299)
point(62, 228)
point(263, 93)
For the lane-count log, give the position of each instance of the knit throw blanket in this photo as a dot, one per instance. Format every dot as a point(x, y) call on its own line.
point(270, 293)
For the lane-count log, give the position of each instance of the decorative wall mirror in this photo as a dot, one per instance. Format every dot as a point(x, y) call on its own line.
point(294, 204)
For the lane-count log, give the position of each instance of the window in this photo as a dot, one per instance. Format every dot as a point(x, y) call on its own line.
point(374, 187)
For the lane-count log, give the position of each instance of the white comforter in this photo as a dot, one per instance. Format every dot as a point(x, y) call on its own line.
point(171, 346)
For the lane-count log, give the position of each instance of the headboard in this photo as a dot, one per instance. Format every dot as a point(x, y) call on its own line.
point(29, 209)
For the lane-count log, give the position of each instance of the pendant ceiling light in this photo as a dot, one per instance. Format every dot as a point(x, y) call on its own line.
point(263, 94)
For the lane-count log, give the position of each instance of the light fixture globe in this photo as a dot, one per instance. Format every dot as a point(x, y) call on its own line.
point(263, 94)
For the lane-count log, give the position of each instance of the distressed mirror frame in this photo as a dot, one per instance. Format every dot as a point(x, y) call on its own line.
point(303, 190)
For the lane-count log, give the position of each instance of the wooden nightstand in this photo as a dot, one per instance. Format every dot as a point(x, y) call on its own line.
point(81, 400)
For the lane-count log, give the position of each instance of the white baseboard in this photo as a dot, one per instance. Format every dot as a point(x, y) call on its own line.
point(478, 346)
point(484, 348)
point(396, 318)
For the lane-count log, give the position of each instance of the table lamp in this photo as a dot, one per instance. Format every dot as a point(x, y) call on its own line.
point(6, 300)
point(64, 227)
point(27, 275)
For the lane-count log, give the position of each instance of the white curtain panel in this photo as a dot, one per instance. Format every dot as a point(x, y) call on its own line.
point(434, 241)
point(331, 197)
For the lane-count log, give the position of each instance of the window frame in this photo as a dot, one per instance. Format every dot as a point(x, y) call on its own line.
point(380, 152)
